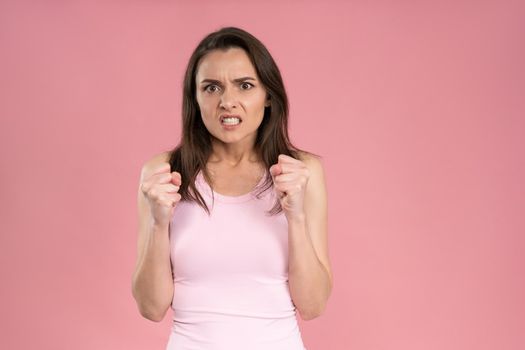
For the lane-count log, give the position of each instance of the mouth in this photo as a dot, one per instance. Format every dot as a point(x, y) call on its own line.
point(230, 119)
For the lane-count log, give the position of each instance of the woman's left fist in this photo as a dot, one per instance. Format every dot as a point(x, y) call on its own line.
point(290, 177)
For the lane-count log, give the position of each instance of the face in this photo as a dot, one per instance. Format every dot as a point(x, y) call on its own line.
point(227, 83)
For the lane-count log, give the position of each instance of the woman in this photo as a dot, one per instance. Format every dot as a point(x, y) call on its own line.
point(233, 221)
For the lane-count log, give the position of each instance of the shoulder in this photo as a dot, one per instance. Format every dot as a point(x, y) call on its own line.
point(313, 163)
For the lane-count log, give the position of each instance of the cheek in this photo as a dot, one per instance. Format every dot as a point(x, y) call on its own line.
point(198, 98)
point(205, 107)
point(256, 103)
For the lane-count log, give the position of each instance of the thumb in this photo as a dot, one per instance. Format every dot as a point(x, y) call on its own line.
point(176, 178)
point(275, 170)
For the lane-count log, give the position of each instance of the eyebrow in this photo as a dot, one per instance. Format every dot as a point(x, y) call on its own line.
point(235, 80)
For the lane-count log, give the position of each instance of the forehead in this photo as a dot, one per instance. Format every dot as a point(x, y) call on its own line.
point(216, 63)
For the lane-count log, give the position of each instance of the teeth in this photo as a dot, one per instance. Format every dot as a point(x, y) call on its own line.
point(231, 120)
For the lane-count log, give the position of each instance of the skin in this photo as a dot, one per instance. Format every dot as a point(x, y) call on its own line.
point(300, 185)
point(232, 149)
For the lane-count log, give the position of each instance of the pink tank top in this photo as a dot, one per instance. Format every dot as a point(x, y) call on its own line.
point(231, 275)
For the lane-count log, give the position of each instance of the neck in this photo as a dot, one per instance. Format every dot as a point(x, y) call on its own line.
point(233, 155)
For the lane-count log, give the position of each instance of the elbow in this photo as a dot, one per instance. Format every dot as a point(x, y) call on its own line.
point(149, 310)
point(152, 316)
point(314, 310)
point(153, 313)
point(310, 314)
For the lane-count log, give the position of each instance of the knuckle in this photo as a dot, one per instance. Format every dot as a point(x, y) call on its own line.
point(159, 200)
point(152, 192)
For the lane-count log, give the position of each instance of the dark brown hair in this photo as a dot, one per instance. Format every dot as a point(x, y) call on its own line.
point(192, 153)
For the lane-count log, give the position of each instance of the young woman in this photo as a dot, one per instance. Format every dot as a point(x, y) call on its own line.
point(233, 220)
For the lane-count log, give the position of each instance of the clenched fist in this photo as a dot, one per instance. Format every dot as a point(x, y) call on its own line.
point(290, 177)
point(161, 190)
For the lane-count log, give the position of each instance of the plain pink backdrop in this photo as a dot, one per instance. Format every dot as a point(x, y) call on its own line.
point(416, 107)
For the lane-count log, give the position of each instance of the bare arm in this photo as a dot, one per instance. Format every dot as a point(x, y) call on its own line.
point(310, 276)
point(152, 283)
point(309, 280)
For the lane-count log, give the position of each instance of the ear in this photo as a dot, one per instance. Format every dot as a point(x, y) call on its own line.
point(267, 103)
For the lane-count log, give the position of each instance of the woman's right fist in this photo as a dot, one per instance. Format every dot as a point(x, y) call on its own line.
point(161, 190)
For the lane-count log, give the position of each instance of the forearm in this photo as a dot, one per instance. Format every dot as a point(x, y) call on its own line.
point(153, 281)
point(308, 279)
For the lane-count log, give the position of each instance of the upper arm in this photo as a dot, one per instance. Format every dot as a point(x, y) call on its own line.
point(316, 210)
point(143, 208)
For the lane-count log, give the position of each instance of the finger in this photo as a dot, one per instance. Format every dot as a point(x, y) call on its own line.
point(288, 159)
point(275, 170)
point(167, 188)
point(176, 178)
point(290, 187)
point(175, 198)
point(289, 177)
point(161, 168)
point(289, 167)
point(169, 200)
point(161, 178)
point(278, 192)
point(155, 179)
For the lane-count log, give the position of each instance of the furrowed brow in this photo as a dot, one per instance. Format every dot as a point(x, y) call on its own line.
point(238, 80)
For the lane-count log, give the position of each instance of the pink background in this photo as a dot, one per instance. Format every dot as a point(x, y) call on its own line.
point(416, 106)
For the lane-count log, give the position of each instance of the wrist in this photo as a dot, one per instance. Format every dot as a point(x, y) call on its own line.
point(298, 218)
point(159, 226)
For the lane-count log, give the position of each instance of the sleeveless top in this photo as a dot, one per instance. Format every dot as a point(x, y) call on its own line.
point(230, 274)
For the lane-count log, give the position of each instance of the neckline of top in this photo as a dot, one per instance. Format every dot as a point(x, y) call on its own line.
point(226, 198)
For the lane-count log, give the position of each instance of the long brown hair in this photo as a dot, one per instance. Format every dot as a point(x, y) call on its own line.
point(191, 154)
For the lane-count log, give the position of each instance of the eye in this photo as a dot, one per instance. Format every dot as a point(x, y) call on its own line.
point(206, 88)
point(247, 84)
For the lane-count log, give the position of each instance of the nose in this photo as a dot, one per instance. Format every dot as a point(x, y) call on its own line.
point(228, 99)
